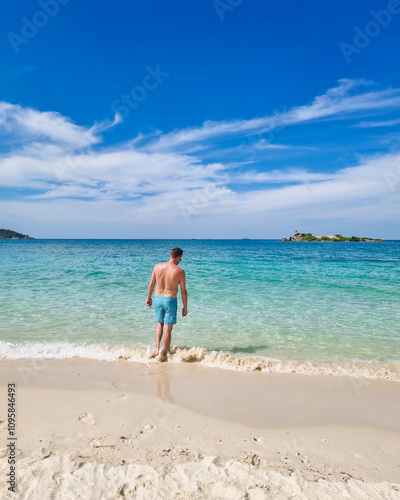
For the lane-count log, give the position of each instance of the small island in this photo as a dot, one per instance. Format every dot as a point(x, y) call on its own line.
point(333, 237)
point(7, 234)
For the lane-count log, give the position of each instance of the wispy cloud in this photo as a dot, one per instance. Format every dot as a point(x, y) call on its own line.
point(27, 124)
point(279, 177)
point(386, 123)
point(264, 144)
point(151, 178)
point(339, 102)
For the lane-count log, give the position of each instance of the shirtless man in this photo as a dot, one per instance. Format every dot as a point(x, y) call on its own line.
point(168, 276)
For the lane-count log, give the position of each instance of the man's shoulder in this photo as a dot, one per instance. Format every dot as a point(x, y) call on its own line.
point(178, 271)
point(160, 264)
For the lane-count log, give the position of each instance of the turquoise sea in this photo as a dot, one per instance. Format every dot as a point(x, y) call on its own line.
point(264, 305)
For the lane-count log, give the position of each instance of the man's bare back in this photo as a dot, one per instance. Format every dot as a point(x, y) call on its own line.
point(168, 276)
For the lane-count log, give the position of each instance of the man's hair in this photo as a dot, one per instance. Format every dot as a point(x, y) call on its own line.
point(176, 252)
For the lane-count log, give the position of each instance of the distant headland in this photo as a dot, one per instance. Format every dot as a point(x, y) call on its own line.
point(7, 234)
point(333, 237)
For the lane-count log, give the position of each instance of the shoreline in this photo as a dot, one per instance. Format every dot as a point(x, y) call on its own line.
point(358, 369)
point(220, 393)
point(164, 428)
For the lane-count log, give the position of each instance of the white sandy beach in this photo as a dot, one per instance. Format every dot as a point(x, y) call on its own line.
point(107, 430)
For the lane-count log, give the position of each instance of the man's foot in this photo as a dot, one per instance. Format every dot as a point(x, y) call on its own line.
point(154, 354)
point(162, 356)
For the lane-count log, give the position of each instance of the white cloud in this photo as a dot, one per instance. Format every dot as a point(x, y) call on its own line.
point(30, 124)
point(23, 124)
point(151, 183)
point(337, 102)
point(193, 201)
point(279, 176)
point(386, 123)
point(264, 144)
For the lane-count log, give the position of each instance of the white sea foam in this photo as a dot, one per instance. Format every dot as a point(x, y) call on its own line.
point(63, 350)
point(216, 359)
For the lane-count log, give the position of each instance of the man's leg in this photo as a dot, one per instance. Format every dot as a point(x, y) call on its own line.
point(159, 334)
point(167, 338)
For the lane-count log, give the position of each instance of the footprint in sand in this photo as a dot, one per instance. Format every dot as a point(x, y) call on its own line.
point(96, 442)
point(66, 440)
point(119, 384)
point(87, 418)
point(119, 398)
point(99, 443)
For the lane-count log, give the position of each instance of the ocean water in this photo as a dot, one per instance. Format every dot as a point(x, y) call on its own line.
point(266, 305)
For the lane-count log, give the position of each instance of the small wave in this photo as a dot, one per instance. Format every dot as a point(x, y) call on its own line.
point(214, 359)
point(228, 361)
point(63, 350)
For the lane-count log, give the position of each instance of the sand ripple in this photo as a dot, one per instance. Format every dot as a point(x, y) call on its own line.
point(63, 477)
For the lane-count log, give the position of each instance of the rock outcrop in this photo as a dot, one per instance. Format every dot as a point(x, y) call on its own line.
point(331, 237)
point(7, 234)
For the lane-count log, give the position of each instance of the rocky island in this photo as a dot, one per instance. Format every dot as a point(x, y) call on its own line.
point(7, 234)
point(333, 237)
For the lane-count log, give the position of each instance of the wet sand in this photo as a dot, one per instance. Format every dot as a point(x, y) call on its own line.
point(96, 429)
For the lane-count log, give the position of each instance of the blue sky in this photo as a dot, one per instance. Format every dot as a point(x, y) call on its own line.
point(202, 119)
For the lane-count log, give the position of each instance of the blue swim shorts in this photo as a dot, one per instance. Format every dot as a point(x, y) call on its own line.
point(166, 308)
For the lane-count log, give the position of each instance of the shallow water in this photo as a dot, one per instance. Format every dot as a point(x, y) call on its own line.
point(298, 304)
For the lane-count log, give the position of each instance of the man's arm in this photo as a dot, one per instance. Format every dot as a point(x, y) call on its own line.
point(149, 302)
point(184, 293)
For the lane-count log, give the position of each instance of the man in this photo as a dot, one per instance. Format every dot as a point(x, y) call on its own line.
point(168, 276)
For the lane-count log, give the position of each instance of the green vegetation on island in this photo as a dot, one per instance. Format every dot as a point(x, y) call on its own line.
point(333, 237)
point(7, 234)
